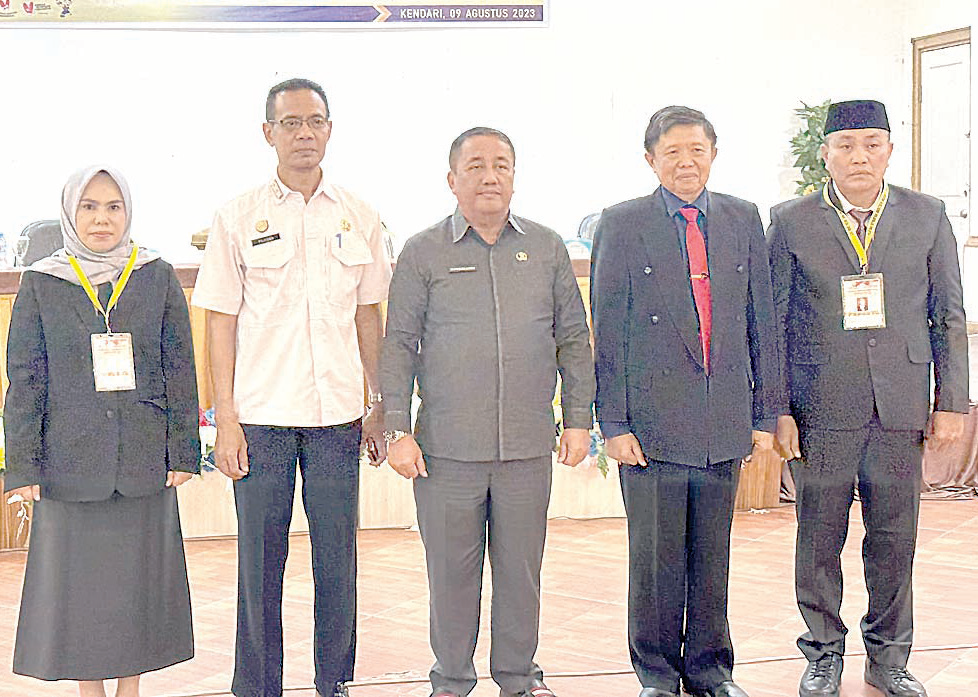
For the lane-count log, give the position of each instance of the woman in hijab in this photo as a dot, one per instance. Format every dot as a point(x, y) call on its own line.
point(101, 426)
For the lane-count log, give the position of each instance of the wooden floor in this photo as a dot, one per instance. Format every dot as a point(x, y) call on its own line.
point(582, 647)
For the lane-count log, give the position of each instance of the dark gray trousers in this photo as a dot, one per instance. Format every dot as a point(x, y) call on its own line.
point(886, 467)
point(461, 506)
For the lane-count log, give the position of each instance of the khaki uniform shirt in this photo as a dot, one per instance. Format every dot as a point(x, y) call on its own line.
point(294, 273)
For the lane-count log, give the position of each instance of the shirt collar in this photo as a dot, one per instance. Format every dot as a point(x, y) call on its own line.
point(460, 225)
point(847, 206)
point(280, 191)
point(674, 203)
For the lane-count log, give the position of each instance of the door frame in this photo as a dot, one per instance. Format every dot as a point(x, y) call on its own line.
point(922, 44)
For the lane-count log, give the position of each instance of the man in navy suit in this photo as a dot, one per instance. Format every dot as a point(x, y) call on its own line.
point(688, 385)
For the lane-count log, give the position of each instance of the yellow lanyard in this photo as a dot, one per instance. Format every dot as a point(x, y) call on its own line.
point(862, 251)
point(119, 287)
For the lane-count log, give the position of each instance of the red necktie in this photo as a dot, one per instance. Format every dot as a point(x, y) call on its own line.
point(699, 277)
point(860, 218)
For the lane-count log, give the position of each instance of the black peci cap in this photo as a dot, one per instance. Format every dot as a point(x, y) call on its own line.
point(860, 113)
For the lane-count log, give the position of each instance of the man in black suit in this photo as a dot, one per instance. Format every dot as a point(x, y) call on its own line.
point(686, 364)
point(856, 364)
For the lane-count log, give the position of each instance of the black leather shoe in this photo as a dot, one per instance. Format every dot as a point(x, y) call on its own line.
point(535, 689)
point(893, 681)
point(656, 692)
point(822, 677)
point(724, 689)
point(338, 691)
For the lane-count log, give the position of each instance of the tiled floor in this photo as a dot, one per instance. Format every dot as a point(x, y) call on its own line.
point(582, 645)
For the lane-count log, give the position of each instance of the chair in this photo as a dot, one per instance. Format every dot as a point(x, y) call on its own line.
point(586, 229)
point(38, 240)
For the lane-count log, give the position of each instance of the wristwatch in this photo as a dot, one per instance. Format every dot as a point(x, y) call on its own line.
point(394, 436)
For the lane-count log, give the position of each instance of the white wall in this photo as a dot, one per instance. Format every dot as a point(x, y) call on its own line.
point(180, 112)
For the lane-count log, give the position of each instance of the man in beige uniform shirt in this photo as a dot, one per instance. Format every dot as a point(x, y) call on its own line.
point(292, 279)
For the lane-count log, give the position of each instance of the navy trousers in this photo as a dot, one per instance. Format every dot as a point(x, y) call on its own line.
point(329, 461)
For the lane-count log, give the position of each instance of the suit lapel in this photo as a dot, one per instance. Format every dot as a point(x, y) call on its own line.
point(831, 217)
point(671, 273)
point(124, 309)
point(84, 308)
point(884, 231)
point(722, 255)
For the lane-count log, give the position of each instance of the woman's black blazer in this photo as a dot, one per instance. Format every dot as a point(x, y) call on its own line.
point(83, 445)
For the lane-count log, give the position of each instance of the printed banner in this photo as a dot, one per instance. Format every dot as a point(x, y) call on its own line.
point(283, 14)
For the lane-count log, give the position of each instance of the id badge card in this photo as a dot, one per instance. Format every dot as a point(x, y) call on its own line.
point(113, 362)
point(862, 302)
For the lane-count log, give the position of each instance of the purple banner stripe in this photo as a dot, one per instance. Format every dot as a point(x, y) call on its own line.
point(285, 13)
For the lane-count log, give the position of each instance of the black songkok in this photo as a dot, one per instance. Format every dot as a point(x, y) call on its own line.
point(860, 113)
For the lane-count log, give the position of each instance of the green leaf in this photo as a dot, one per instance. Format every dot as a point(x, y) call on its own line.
point(805, 146)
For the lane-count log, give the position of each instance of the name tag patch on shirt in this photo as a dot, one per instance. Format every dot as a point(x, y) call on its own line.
point(461, 269)
point(265, 238)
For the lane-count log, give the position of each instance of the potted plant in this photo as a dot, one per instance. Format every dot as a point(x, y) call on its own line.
point(805, 145)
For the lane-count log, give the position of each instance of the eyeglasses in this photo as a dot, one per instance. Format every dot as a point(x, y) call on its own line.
point(316, 123)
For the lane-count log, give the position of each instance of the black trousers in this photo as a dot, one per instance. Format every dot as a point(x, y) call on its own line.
point(329, 461)
point(679, 522)
point(886, 468)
